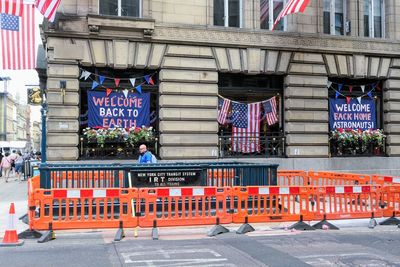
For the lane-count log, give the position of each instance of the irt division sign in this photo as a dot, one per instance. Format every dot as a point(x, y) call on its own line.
point(354, 115)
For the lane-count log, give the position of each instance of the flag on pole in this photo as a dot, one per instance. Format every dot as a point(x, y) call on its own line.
point(271, 114)
point(48, 8)
point(12, 7)
point(223, 108)
point(18, 49)
point(246, 127)
point(291, 7)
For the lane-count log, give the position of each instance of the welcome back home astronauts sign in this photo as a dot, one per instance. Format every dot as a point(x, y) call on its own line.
point(118, 110)
point(352, 115)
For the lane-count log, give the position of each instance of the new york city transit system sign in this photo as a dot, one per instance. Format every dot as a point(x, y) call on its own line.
point(118, 110)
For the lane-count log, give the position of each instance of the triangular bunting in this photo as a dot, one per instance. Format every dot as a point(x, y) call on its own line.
point(340, 87)
point(329, 84)
point(85, 74)
point(116, 81)
point(108, 91)
point(336, 95)
point(363, 88)
point(139, 88)
point(126, 91)
point(370, 95)
point(102, 78)
point(149, 79)
point(350, 88)
point(94, 84)
point(359, 99)
point(348, 99)
point(377, 87)
point(133, 81)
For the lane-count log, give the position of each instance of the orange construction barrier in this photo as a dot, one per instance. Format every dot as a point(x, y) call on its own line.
point(87, 179)
point(385, 180)
point(292, 178)
point(220, 177)
point(11, 236)
point(185, 206)
point(391, 200)
point(335, 178)
point(85, 208)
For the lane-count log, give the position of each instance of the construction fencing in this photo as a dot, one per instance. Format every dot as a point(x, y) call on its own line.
point(298, 195)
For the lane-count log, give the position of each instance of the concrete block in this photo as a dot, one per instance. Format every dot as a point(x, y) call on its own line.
point(308, 57)
point(54, 125)
point(307, 68)
point(120, 49)
point(56, 98)
point(234, 60)
point(391, 106)
point(86, 54)
point(189, 63)
point(188, 101)
point(190, 152)
point(393, 151)
point(53, 84)
point(62, 71)
point(188, 76)
point(306, 127)
point(393, 139)
point(99, 52)
point(306, 116)
point(271, 61)
point(306, 92)
point(392, 117)
point(384, 67)
point(188, 88)
point(188, 127)
point(304, 80)
point(157, 54)
point(342, 63)
point(190, 51)
point(221, 58)
point(391, 95)
point(188, 114)
point(62, 153)
point(394, 73)
point(307, 151)
point(68, 51)
point(283, 62)
point(392, 128)
point(396, 62)
point(306, 104)
point(189, 139)
point(309, 139)
point(63, 112)
point(65, 139)
point(131, 54)
point(253, 60)
point(393, 84)
point(331, 65)
point(373, 66)
point(142, 54)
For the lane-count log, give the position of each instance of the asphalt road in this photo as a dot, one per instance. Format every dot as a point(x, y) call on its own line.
point(352, 246)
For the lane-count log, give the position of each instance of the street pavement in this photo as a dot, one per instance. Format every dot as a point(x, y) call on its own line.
point(270, 245)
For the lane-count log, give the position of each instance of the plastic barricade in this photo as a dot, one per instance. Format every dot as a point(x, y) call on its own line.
point(335, 178)
point(85, 208)
point(184, 206)
point(292, 178)
point(385, 180)
point(87, 178)
point(266, 204)
point(220, 177)
point(390, 200)
point(345, 202)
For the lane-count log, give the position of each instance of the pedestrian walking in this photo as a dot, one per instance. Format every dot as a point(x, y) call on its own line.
point(145, 155)
point(6, 166)
point(19, 162)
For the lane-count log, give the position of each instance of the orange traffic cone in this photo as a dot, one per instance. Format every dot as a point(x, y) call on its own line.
point(10, 236)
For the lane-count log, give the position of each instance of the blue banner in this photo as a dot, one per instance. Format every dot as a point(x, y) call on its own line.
point(354, 115)
point(118, 110)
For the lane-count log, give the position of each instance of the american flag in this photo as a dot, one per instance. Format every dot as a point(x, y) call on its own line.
point(223, 108)
point(11, 7)
point(18, 40)
point(246, 127)
point(291, 7)
point(264, 10)
point(270, 111)
point(48, 8)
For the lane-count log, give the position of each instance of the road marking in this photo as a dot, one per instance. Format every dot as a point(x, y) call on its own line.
point(333, 255)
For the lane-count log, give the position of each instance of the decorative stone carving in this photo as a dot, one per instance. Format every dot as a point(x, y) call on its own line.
point(94, 29)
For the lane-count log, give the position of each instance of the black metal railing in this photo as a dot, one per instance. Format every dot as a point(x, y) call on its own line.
point(271, 145)
point(114, 149)
point(357, 149)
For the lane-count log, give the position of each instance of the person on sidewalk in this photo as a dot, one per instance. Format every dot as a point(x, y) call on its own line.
point(19, 162)
point(145, 155)
point(6, 166)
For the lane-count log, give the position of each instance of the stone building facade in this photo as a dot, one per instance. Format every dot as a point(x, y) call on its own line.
point(181, 41)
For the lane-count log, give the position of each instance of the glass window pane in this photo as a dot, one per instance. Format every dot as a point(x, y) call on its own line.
point(339, 17)
point(234, 13)
point(108, 7)
point(130, 8)
point(278, 6)
point(264, 14)
point(377, 18)
point(219, 12)
point(366, 18)
point(327, 17)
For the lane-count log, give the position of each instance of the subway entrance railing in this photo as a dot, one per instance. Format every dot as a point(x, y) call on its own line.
point(100, 196)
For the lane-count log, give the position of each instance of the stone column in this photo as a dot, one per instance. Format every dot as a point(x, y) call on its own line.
point(188, 103)
point(306, 107)
point(391, 106)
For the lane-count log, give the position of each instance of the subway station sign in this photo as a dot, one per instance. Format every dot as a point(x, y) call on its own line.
point(166, 177)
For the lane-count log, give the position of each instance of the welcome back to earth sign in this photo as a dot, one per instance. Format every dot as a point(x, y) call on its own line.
point(352, 115)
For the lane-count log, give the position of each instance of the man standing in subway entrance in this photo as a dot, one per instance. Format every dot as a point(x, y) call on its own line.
point(146, 156)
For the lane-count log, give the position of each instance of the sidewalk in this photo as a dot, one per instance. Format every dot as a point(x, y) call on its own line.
point(16, 192)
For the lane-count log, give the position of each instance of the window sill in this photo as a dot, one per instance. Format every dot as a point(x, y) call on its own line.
point(106, 21)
